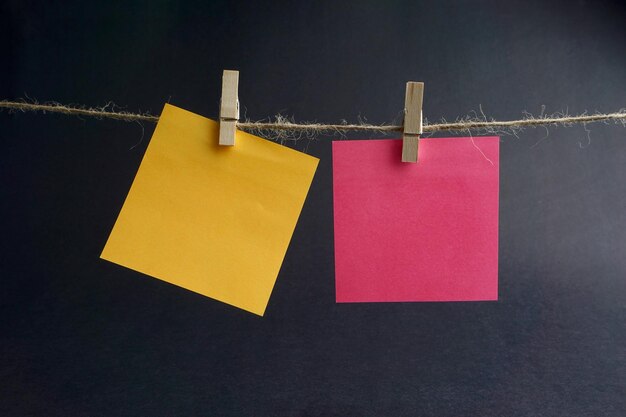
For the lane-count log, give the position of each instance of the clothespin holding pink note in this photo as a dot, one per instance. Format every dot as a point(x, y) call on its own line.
point(412, 120)
point(229, 107)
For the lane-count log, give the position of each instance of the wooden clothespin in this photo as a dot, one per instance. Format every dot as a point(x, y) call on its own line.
point(229, 107)
point(412, 120)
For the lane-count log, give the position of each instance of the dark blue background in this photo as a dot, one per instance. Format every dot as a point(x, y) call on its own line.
point(81, 336)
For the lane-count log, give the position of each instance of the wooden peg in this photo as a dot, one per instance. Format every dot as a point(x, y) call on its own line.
point(412, 120)
point(229, 107)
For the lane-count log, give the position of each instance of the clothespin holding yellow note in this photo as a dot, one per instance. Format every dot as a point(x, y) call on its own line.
point(412, 120)
point(229, 107)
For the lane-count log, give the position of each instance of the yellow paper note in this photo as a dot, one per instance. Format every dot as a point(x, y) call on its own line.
point(213, 219)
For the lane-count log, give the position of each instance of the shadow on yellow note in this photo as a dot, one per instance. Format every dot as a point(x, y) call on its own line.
point(213, 219)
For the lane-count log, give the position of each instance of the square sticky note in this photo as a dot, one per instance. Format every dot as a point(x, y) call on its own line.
point(213, 219)
point(416, 232)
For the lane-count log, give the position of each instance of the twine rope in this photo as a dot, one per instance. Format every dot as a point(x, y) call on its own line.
point(311, 129)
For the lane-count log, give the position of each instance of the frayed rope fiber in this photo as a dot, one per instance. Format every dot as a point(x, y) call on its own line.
point(284, 128)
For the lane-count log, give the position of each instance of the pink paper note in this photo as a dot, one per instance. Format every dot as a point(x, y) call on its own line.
point(416, 232)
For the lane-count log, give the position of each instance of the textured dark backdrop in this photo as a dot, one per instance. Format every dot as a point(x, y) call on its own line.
point(81, 336)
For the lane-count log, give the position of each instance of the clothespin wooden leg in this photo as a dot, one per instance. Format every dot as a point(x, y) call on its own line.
point(412, 120)
point(229, 107)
